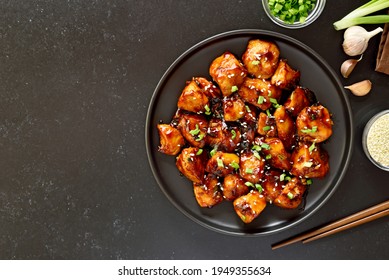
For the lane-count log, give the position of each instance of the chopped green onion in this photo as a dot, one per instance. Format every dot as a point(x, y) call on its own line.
point(282, 177)
point(287, 178)
point(290, 195)
point(234, 88)
point(309, 182)
point(249, 170)
point(273, 100)
point(220, 162)
point(249, 184)
point(196, 131)
point(248, 109)
point(261, 99)
point(233, 132)
point(291, 11)
point(207, 110)
point(256, 148)
point(199, 152)
point(200, 137)
point(268, 157)
point(255, 62)
point(266, 128)
point(309, 130)
point(234, 165)
point(265, 146)
point(256, 154)
point(213, 151)
point(312, 147)
point(259, 188)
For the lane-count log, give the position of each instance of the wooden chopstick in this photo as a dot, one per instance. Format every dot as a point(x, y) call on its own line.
point(359, 218)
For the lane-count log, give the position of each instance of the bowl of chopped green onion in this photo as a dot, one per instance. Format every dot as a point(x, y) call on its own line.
point(293, 13)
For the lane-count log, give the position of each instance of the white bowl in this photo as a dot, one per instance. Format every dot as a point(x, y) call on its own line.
point(369, 143)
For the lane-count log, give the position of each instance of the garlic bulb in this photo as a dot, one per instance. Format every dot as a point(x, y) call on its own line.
point(348, 66)
point(361, 88)
point(356, 39)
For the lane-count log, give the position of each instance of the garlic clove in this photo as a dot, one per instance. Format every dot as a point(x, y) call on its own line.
point(361, 88)
point(348, 66)
point(356, 39)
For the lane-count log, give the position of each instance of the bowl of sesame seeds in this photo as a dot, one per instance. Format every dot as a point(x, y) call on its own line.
point(293, 14)
point(375, 140)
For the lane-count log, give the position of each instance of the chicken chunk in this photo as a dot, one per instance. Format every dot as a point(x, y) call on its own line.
point(171, 139)
point(251, 166)
point(234, 108)
point(285, 127)
point(191, 163)
point(285, 76)
point(234, 187)
point(274, 151)
point(292, 195)
point(260, 93)
point(209, 89)
point(298, 100)
point(228, 72)
point(314, 124)
point(208, 193)
point(310, 161)
point(273, 182)
point(193, 98)
point(266, 125)
point(221, 164)
point(249, 206)
point(261, 58)
point(194, 129)
point(226, 138)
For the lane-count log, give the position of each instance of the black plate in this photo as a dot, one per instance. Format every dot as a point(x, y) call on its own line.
point(315, 75)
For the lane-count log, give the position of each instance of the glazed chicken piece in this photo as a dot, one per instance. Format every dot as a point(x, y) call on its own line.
point(260, 93)
point(266, 125)
point(274, 152)
point(228, 72)
point(193, 98)
point(249, 206)
point(251, 166)
point(208, 194)
point(298, 100)
point(285, 76)
point(285, 127)
point(234, 187)
point(261, 58)
point(215, 134)
point(314, 124)
point(231, 140)
point(226, 138)
point(191, 163)
point(221, 164)
point(292, 195)
point(209, 89)
point(194, 128)
point(273, 182)
point(309, 160)
point(171, 140)
point(234, 108)
point(248, 127)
